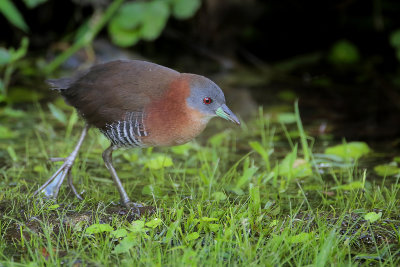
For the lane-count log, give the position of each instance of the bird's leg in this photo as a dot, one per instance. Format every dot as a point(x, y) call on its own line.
point(51, 187)
point(107, 157)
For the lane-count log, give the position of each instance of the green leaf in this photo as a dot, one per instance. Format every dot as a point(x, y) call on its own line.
point(119, 233)
point(12, 14)
point(34, 3)
point(123, 37)
point(395, 39)
point(207, 219)
point(7, 133)
point(39, 168)
point(293, 167)
point(12, 154)
point(12, 113)
point(217, 139)
point(151, 190)
point(273, 223)
point(344, 52)
point(99, 228)
point(124, 27)
point(83, 31)
point(300, 238)
point(299, 169)
point(373, 216)
point(154, 223)
point(184, 9)
point(256, 146)
point(387, 169)
point(286, 118)
point(130, 15)
point(182, 149)
point(53, 207)
point(350, 186)
point(126, 244)
point(154, 20)
point(57, 113)
point(218, 196)
point(130, 156)
point(248, 173)
point(138, 20)
point(214, 227)
point(159, 161)
point(21, 51)
point(137, 226)
point(171, 231)
point(5, 56)
point(192, 236)
point(255, 200)
point(326, 250)
point(349, 151)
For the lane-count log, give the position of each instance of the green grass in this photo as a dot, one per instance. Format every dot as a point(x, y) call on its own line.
point(256, 195)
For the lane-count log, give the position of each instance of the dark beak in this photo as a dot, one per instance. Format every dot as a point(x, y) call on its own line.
point(224, 112)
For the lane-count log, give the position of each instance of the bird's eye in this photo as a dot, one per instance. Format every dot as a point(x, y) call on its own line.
point(207, 100)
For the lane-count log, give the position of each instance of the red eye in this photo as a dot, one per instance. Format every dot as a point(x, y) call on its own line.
point(207, 100)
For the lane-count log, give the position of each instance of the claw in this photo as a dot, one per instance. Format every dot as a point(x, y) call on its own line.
point(51, 186)
point(51, 190)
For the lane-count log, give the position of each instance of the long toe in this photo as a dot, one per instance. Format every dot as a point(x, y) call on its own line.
point(51, 190)
point(71, 185)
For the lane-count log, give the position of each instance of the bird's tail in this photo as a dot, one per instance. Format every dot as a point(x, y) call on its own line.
point(60, 84)
point(65, 83)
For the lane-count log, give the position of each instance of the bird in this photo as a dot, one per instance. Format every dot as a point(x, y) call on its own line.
point(136, 104)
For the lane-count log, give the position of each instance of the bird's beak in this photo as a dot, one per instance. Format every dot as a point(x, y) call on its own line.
point(224, 112)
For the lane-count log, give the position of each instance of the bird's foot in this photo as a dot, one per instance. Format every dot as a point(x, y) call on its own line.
point(52, 186)
point(132, 206)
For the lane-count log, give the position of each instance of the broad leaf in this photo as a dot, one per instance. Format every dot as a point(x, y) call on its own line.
point(99, 228)
point(184, 9)
point(373, 216)
point(387, 169)
point(349, 151)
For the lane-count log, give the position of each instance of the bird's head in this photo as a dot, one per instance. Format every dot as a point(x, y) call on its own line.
point(206, 97)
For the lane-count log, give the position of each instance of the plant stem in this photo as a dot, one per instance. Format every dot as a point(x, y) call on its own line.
point(303, 137)
point(87, 38)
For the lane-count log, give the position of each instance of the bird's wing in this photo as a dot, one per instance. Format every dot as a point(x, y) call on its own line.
point(109, 91)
